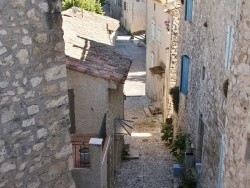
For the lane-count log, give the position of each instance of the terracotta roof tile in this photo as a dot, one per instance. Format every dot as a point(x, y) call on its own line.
point(88, 47)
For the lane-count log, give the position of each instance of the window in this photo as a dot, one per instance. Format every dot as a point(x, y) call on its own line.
point(159, 35)
point(152, 59)
point(248, 149)
point(154, 6)
point(137, 0)
point(200, 140)
point(188, 10)
point(120, 3)
point(71, 96)
point(125, 5)
point(184, 74)
point(203, 72)
point(153, 30)
point(229, 42)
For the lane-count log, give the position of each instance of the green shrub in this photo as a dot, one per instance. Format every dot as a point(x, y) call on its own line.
point(188, 180)
point(125, 154)
point(89, 5)
point(178, 146)
point(167, 135)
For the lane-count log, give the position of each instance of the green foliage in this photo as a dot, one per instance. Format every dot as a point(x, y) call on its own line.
point(103, 2)
point(125, 154)
point(84, 149)
point(89, 5)
point(174, 92)
point(178, 146)
point(188, 180)
point(129, 32)
point(167, 135)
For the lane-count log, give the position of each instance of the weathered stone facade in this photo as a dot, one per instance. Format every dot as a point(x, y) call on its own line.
point(34, 138)
point(174, 11)
point(222, 110)
point(166, 16)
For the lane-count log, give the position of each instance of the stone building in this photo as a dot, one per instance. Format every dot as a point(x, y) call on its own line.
point(96, 74)
point(214, 88)
point(35, 144)
point(161, 56)
point(130, 13)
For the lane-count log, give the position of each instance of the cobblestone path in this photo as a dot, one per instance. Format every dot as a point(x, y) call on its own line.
point(153, 169)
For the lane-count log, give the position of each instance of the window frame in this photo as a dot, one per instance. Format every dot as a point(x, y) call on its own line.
point(125, 5)
point(229, 44)
point(153, 29)
point(159, 35)
point(152, 64)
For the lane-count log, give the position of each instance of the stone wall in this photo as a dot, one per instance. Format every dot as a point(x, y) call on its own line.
point(237, 161)
point(35, 147)
point(204, 41)
point(174, 11)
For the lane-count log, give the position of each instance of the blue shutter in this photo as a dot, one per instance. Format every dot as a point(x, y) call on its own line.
point(188, 10)
point(184, 74)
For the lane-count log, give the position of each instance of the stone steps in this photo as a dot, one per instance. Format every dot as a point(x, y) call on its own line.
point(155, 108)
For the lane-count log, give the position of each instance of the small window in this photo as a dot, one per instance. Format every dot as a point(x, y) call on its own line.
point(152, 59)
point(137, 0)
point(203, 72)
point(248, 149)
point(188, 10)
point(125, 5)
point(154, 6)
point(153, 30)
point(184, 74)
point(71, 97)
point(159, 35)
point(120, 3)
point(200, 139)
point(229, 43)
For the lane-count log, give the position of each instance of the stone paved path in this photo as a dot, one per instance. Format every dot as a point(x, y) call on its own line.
point(153, 169)
point(135, 83)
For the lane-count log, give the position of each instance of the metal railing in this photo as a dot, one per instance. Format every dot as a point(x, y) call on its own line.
point(102, 133)
point(80, 160)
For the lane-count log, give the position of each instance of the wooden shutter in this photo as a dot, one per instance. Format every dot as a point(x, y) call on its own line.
point(184, 74)
point(71, 96)
point(188, 10)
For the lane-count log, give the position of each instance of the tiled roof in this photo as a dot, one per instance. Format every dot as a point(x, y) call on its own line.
point(88, 47)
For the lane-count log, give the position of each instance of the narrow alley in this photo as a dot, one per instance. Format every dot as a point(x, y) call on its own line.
point(152, 166)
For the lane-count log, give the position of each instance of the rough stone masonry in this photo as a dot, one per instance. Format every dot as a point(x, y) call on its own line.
point(35, 147)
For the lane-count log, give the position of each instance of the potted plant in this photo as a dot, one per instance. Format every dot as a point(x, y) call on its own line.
point(84, 154)
point(189, 154)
